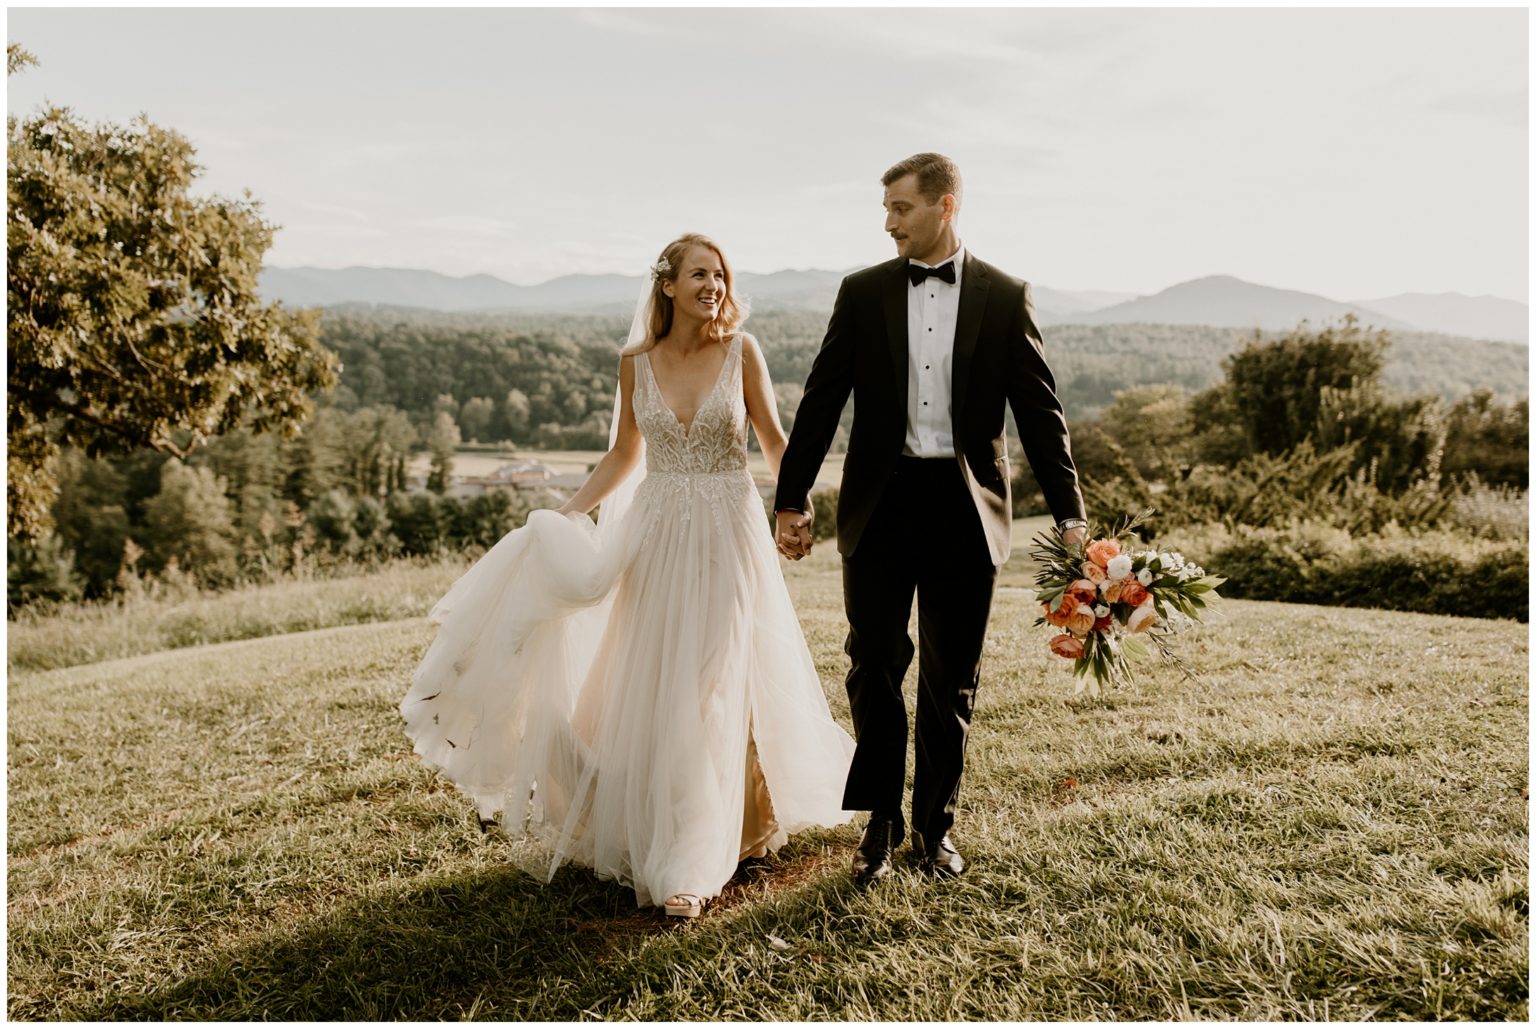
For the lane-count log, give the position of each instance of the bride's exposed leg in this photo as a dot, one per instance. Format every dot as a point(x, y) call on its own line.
point(758, 822)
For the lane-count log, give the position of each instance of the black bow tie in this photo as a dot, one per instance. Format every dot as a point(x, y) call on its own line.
point(945, 271)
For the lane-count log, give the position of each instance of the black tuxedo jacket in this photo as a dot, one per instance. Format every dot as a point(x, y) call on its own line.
point(999, 360)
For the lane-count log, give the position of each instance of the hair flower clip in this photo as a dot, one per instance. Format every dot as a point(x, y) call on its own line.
point(660, 269)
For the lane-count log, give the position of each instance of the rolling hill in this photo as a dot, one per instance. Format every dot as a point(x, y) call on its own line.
point(1216, 300)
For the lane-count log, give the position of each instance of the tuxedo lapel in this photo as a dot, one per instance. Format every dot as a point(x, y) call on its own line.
point(973, 300)
point(894, 299)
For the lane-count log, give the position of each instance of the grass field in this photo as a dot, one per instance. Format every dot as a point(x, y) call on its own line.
point(1331, 823)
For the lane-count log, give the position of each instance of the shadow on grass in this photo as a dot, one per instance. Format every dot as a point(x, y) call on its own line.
point(495, 943)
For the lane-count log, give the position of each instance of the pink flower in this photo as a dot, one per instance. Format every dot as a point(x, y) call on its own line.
point(1093, 573)
point(1081, 622)
point(1067, 646)
point(1100, 552)
point(1084, 591)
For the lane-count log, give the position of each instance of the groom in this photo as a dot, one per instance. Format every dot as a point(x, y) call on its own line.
point(933, 346)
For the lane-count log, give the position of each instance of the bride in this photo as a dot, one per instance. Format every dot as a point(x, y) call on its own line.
point(636, 695)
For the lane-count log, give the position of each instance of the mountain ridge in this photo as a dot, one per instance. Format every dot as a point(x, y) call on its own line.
point(1218, 300)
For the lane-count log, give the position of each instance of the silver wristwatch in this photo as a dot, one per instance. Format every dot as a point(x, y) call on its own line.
point(1072, 523)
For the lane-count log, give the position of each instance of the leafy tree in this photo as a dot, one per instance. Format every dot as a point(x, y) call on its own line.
point(334, 517)
point(420, 521)
point(370, 524)
point(1275, 389)
point(41, 569)
point(441, 443)
point(514, 412)
point(1152, 425)
point(90, 518)
point(1488, 438)
point(133, 318)
point(475, 418)
point(369, 447)
point(484, 519)
point(16, 59)
point(1400, 440)
point(190, 522)
point(255, 469)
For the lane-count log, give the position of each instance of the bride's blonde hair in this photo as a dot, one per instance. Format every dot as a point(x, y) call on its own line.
point(732, 311)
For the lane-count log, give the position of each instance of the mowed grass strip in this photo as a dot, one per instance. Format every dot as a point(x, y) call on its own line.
point(1329, 822)
point(88, 633)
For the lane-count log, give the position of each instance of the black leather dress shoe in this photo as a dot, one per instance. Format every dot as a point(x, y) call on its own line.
point(938, 858)
point(872, 861)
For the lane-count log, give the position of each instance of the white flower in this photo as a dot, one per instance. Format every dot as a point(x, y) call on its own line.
point(1174, 561)
point(1142, 619)
point(660, 269)
point(1101, 610)
point(1144, 576)
point(1119, 567)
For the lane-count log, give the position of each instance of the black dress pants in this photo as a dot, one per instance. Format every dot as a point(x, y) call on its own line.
point(924, 538)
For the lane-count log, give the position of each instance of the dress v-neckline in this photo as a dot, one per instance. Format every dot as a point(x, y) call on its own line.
point(661, 397)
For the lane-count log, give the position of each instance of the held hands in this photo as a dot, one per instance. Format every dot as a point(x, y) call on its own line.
point(792, 533)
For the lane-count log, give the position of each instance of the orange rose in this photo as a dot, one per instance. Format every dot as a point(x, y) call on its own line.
point(1093, 573)
point(1067, 646)
point(1063, 614)
point(1133, 593)
point(1101, 551)
point(1112, 594)
point(1084, 591)
point(1103, 623)
point(1081, 622)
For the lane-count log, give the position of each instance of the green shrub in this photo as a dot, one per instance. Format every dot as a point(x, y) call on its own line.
point(41, 572)
point(1318, 563)
point(1263, 568)
point(824, 504)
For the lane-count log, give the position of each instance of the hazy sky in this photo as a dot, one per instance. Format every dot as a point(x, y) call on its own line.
point(1353, 153)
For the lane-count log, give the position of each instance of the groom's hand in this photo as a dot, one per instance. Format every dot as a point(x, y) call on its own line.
point(792, 534)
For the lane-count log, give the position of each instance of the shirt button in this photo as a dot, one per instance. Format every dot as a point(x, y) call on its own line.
point(926, 367)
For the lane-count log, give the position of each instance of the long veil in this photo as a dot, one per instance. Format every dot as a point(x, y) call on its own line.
point(611, 511)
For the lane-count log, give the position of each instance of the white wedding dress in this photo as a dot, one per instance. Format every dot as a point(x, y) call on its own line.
point(641, 700)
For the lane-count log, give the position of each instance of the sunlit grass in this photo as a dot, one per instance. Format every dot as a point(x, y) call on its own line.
point(85, 633)
point(1329, 823)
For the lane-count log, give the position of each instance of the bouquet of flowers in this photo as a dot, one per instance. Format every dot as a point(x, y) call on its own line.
point(1110, 601)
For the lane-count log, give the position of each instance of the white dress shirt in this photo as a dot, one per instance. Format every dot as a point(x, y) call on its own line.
point(933, 306)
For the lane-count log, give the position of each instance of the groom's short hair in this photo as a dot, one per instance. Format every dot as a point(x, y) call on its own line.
point(936, 175)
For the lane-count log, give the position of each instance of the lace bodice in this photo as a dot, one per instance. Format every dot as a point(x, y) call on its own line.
point(715, 442)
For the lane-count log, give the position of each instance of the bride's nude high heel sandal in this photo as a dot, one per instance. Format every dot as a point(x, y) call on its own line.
point(685, 905)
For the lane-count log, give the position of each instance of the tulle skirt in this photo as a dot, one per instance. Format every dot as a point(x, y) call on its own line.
point(640, 701)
